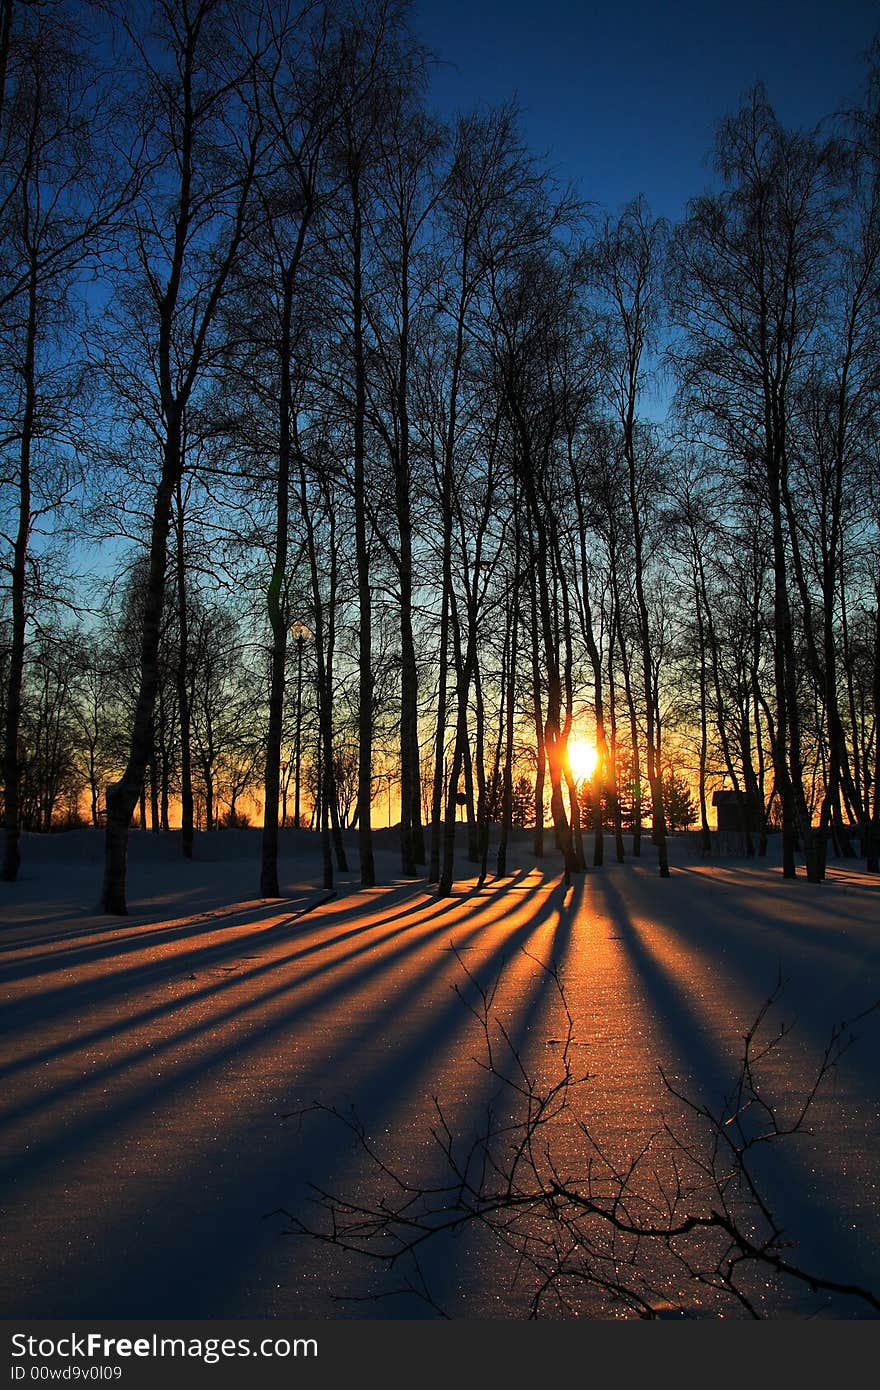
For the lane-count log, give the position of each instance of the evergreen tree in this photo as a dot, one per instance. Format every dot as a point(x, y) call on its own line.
point(678, 801)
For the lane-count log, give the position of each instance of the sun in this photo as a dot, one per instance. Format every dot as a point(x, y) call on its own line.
point(583, 757)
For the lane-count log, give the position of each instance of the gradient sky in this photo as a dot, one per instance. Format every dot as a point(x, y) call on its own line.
point(624, 96)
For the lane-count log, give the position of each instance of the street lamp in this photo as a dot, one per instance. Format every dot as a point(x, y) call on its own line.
point(300, 634)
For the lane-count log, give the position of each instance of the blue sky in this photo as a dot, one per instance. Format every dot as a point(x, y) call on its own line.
point(624, 96)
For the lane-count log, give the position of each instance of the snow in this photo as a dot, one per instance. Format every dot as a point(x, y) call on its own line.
point(152, 1066)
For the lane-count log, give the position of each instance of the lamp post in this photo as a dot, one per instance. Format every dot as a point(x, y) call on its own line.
point(300, 634)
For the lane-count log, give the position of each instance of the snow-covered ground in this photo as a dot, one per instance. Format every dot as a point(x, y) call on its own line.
point(151, 1065)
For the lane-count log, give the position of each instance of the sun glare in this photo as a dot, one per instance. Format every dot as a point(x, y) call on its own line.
point(583, 756)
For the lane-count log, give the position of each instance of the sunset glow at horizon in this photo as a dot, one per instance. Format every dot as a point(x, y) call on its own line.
point(583, 757)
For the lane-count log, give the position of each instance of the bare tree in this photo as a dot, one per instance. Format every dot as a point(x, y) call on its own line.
point(627, 263)
point(406, 190)
point(296, 93)
point(203, 144)
point(376, 59)
point(749, 282)
point(59, 197)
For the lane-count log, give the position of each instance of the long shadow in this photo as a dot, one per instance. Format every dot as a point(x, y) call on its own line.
point(815, 936)
point(43, 1099)
point(451, 1271)
point(156, 912)
point(671, 1005)
point(847, 990)
point(213, 1272)
point(676, 1008)
point(130, 1021)
point(827, 894)
point(212, 1283)
point(713, 1077)
point(132, 938)
point(138, 919)
point(29, 1009)
point(75, 996)
point(25, 932)
point(720, 928)
point(62, 961)
point(155, 916)
point(90, 1127)
point(155, 926)
point(35, 938)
